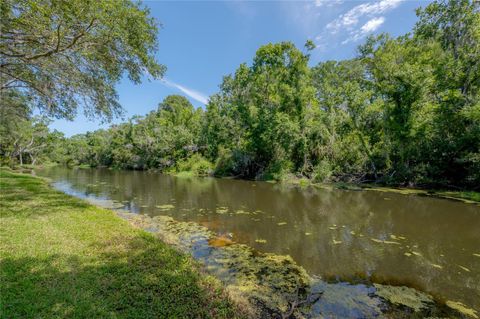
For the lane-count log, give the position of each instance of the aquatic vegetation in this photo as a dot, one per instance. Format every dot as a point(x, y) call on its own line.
point(385, 241)
point(464, 268)
point(221, 210)
point(437, 266)
point(462, 308)
point(404, 296)
point(476, 255)
point(261, 241)
point(281, 223)
point(336, 242)
point(407, 254)
point(307, 234)
point(416, 253)
point(220, 241)
point(270, 284)
point(165, 207)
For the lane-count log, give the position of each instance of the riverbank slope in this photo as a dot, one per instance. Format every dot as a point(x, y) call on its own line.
point(62, 257)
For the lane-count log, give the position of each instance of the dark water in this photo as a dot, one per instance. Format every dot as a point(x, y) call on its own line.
point(425, 243)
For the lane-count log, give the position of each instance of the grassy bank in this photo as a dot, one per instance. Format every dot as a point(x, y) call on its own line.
point(61, 257)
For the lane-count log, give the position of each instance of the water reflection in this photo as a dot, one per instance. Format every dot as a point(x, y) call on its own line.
point(422, 242)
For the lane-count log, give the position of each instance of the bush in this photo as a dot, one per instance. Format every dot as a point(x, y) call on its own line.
point(279, 170)
point(322, 172)
point(196, 164)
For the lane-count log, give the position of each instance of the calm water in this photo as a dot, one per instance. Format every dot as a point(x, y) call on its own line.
point(426, 243)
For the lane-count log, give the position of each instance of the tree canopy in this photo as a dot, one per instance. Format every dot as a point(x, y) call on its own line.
point(63, 55)
point(404, 111)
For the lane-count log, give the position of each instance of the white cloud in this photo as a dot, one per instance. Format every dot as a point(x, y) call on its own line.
point(351, 18)
point(371, 25)
point(356, 23)
point(197, 96)
point(328, 3)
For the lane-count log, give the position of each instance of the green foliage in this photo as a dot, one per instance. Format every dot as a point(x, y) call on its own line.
point(405, 111)
point(196, 165)
point(66, 54)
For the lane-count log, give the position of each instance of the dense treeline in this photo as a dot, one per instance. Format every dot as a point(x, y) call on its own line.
point(404, 111)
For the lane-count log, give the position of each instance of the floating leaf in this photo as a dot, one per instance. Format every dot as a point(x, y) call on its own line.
point(407, 254)
point(352, 232)
point(476, 255)
point(332, 228)
point(457, 305)
point(384, 241)
point(464, 268)
point(281, 223)
point(416, 253)
point(220, 241)
point(336, 242)
point(437, 266)
point(308, 234)
point(165, 207)
point(261, 241)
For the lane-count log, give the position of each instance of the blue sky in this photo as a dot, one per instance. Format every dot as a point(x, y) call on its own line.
point(201, 41)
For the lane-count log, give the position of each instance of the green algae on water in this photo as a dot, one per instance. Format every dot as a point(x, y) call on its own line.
point(404, 296)
point(460, 307)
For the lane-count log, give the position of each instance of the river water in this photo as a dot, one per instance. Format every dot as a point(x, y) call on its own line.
point(426, 243)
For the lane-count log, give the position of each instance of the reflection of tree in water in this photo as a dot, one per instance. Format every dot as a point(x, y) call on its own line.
point(432, 227)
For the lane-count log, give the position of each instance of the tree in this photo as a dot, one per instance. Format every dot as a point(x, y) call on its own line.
point(66, 54)
point(455, 147)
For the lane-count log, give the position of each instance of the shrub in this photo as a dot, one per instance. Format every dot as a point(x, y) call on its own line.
point(196, 164)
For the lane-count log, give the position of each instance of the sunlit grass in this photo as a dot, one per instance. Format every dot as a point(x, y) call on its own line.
point(61, 257)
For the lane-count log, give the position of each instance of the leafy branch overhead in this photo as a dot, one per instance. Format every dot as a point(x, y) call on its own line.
point(69, 54)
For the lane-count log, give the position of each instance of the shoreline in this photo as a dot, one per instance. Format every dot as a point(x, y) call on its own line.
point(174, 232)
point(64, 257)
point(465, 196)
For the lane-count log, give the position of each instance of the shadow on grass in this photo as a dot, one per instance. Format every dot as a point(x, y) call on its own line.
point(142, 279)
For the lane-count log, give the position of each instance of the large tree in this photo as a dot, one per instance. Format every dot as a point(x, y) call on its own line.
point(65, 54)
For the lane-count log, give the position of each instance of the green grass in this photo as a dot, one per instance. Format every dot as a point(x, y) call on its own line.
point(465, 195)
point(61, 257)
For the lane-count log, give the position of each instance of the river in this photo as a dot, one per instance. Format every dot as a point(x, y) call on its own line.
point(422, 242)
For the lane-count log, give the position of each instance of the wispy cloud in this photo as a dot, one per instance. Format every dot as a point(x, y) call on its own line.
point(351, 18)
point(357, 22)
point(371, 25)
point(197, 96)
point(327, 3)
